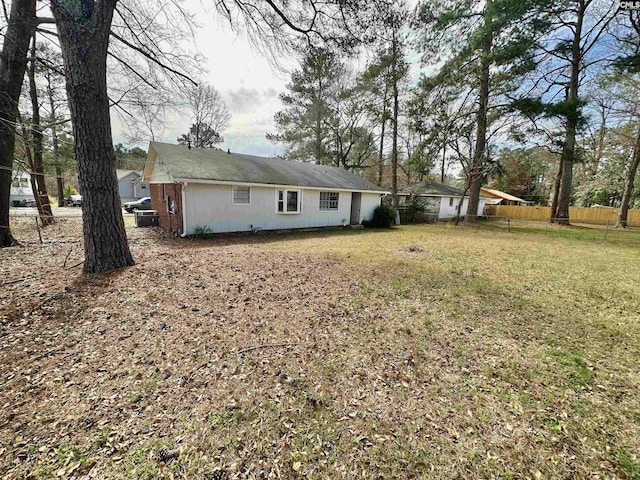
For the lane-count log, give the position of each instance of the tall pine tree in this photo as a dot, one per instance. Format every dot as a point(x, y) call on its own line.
point(305, 124)
point(485, 50)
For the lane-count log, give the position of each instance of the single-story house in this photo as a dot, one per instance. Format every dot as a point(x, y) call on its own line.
point(195, 188)
point(21, 192)
point(131, 186)
point(496, 197)
point(438, 201)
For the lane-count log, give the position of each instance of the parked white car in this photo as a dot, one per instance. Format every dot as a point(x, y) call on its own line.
point(74, 200)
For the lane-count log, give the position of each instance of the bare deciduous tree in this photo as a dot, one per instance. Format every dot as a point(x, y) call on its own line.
point(207, 106)
point(209, 116)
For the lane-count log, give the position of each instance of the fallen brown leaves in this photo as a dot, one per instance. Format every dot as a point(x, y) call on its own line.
point(276, 357)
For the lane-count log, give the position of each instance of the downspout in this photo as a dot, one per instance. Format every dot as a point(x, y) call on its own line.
point(184, 211)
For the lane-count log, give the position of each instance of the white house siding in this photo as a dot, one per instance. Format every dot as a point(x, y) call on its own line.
point(141, 189)
point(368, 204)
point(449, 211)
point(212, 206)
point(153, 172)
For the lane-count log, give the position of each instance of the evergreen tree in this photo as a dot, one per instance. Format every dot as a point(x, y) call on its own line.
point(628, 68)
point(487, 48)
point(573, 49)
point(201, 135)
point(307, 122)
point(522, 172)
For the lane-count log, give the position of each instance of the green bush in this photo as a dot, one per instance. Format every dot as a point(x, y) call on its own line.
point(384, 216)
point(202, 232)
point(69, 190)
point(414, 211)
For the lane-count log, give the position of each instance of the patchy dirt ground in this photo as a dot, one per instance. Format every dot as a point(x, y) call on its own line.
point(414, 353)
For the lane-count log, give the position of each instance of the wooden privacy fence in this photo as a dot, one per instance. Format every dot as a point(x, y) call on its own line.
point(594, 216)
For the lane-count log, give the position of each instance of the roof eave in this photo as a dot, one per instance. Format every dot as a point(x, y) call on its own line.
point(274, 185)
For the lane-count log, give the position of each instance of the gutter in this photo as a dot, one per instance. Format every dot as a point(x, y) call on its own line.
point(274, 185)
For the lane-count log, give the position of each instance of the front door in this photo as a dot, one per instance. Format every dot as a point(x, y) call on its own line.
point(355, 208)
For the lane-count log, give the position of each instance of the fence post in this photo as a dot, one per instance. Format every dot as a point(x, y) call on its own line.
point(606, 231)
point(508, 225)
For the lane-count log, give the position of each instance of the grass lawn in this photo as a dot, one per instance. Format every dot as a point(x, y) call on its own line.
point(420, 352)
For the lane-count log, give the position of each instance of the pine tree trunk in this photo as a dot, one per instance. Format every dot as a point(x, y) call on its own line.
point(556, 193)
point(380, 153)
point(568, 154)
point(84, 36)
point(59, 185)
point(40, 191)
point(55, 145)
point(394, 140)
point(384, 124)
point(28, 142)
point(475, 173)
point(459, 207)
point(13, 63)
point(318, 126)
point(629, 184)
point(569, 147)
point(602, 133)
point(318, 141)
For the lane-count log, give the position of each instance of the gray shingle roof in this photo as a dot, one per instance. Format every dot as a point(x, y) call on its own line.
point(205, 164)
point(121, 173)
point(433, 188)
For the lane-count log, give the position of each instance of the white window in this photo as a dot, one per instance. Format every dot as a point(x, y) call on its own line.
point(329, 200)
point(289, 201)
point(241, 195)
point(20, 182)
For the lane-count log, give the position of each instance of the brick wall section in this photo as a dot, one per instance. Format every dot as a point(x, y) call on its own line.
point(157, 203)
point(165, 195)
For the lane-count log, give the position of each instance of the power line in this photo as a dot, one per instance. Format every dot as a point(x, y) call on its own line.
point(17, 170)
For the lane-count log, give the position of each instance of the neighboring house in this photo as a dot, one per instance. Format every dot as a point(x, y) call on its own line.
point(21, 192)
point(131, 186)
point(438, 201)
point(194, 188)
point(496, 197)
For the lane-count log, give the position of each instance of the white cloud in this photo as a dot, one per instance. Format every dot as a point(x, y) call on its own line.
point(248, 83)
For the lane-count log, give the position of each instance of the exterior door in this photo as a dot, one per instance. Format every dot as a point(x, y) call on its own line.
point(355, 208)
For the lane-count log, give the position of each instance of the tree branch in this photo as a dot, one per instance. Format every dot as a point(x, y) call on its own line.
point(151, 57)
